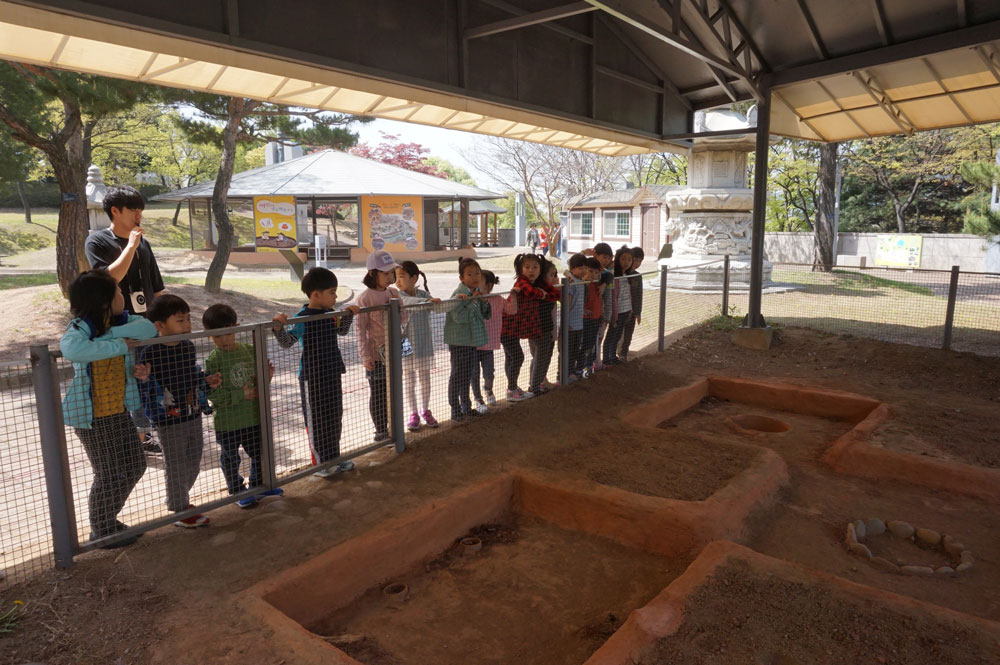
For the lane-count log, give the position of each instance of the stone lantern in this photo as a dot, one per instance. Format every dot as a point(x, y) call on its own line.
point(95, 199)
point(711, 217)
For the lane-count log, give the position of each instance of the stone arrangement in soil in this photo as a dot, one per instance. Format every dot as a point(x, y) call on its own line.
point(743, 617)
point(535, 593)
point(861, 534)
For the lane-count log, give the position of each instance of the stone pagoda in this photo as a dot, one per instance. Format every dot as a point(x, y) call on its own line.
point(711, 216)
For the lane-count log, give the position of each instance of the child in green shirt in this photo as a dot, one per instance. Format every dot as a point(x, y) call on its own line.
point(237, 411)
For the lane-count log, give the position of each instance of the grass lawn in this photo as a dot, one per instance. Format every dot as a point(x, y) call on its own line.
point(21, 281)
point(155, 219)
point(281, 290)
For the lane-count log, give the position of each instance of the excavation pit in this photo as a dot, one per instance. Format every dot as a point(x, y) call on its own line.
point(555, 574)
point(753, 424)
point(727, 605)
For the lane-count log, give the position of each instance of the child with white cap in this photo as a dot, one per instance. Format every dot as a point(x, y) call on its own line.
point(371, 334)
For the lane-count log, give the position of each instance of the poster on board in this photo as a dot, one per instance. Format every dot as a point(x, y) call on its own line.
point(274, 223)
point(898, 251)
point(393, 223)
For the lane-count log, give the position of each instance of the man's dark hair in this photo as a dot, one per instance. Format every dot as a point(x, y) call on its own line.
point(123, 196)
point(219, 315)
point(593, 263)
point(603, 248)
point(90, 298)
point(318, 279)
point(577, 260)
point(638, 254)
point(165, 306)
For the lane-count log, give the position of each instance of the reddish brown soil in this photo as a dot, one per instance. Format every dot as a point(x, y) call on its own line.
point(651, 463)
point(575, 588)
point(174, 597)
point(744, 618)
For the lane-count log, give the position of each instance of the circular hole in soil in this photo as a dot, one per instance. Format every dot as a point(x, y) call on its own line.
point(396, 592)
point(759, 423)
point(472, 545)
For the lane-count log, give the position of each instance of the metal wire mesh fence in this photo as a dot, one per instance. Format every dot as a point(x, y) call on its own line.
point(112, 438)
point(977, 314)
point(690, 298)
point(25, 533)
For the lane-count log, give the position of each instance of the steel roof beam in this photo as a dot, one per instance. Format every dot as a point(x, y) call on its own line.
point(724, 40)
point(813, 30)
point(917, 48)
point(877, 92)
point(555, 27)
point(526, 20)
point(804, 121)
point(841, 108)
point(937, 78)
point(615, 29)
point(675, 40)
point(884, 33)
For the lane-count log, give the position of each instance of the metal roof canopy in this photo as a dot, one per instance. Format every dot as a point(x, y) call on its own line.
point(334, 174)
point(613, 77)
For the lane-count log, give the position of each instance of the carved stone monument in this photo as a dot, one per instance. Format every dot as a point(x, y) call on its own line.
point(711, 217)
point(96, 190)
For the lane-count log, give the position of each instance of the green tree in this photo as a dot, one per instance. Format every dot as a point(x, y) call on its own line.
point(15, 163)
point(48, 110)
point(450, 171)
point(792, 179)
point(979, 218)
point(230, 121)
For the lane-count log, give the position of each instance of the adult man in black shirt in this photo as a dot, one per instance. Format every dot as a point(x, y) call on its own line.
point(123, 251)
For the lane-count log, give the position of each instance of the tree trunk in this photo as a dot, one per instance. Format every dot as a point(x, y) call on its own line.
point(238, 109)
point(825, 227)
point(900, 220)
point(177, 213)
point(24, 201)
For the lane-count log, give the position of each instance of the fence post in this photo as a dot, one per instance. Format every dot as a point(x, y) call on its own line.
point(661, 344)
point(52, 431)
point(395, 369)
point(263, 380)
point(725, 287)
point(949, 317)
point(564, 349)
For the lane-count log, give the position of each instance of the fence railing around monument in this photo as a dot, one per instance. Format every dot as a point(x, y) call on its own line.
point(318, 413)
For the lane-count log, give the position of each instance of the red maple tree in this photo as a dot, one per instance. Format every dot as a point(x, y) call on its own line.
point(409, 156)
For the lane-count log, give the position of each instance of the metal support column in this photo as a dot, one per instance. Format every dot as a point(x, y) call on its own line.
point(268, 475)
point(395, 369)
point(949, 317)
point(564, 350)
point(725, 287)
point(754, 318)
point(58, 485)
point(661, 343)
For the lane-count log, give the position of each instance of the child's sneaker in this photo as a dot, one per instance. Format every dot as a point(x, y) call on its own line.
point(490, 398)
point(193, 522)
point(381, 437)
point(248, 502)
point(481, 406)
point(429, 420)
point(277, 491)
point(413, 423)
point(548, 385)
point(517, 395)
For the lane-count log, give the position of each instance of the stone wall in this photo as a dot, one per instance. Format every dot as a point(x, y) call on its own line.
point(939, 251)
